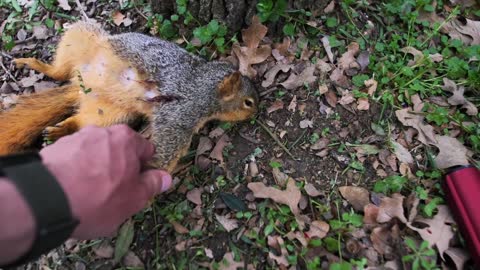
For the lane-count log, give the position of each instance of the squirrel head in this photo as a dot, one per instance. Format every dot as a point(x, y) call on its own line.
point(238, 98)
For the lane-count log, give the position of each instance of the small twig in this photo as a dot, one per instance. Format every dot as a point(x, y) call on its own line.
point(141, 13)
point(7, 72)
point(85, 16)
point(18, 42)
point(275, 138)
point(248, 138)
point(266, 92)
point(298, 140)
point(4, 54)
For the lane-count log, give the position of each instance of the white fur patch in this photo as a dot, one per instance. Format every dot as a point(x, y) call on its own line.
point(128, 77)
point(151, 94)
point(99, 66)
point(85, 68)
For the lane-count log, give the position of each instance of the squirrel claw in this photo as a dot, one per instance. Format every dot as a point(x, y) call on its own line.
point(18, 63)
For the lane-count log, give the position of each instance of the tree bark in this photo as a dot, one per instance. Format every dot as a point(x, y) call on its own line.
point(236, 14)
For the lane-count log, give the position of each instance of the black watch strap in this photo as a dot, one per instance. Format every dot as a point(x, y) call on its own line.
point(46, 199)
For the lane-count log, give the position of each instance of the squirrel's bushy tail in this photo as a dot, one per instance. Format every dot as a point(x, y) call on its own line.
point(22, 125)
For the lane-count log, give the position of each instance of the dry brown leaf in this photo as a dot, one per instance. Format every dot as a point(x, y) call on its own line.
point(339, 79)
point(280, 178)
point(417, 55)
point(452, 152)
point(252, 54)
point(306, 77)
point(299, 236)
point(371, 85)
point(436, 57)
point(293, 104)
point(248, 56)
point(321, 144)
point(306, 124)
point(21, 35)
point(179, 228)
point(30, 80)
point(464, 3)
point(328, 48)
point(439, 233)
point(382, 239)
point(417, 103)
point(229, 263)
point(318, 229)
point(276, 105)
point(291, 196)
point(330, 7)
point(311, 190)
point(392, 162)
point(217, 152)
point(272, 73)
point(358, 197)
point(391, 208)
point(64, 4)
point(283, 47)
point(346, 99)
point(216, 133)
point(118, 17)
point(457, 98)
point(43, 85)
point(104, 250)
point(323, 67)
point(209, 253)
point(347, 60)
point(331, 98)
point(40, 32)
point(406, 171)
point(322, 88)
point(195, 196)
point(426, 135)
point(78, 266)
point(253, 170)
point(254, 33)
point(466, 30)
point(413, 211)
point(132, 260)
point(370, 213)
point(204, 145)
point(459, 257)
point(127, 21)
point(402, 153)
point(227, 223)
point(363, 104)
point(363, 60)
point(346, 63)
point(281, 259)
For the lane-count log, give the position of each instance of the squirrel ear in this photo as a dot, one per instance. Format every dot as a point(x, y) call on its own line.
point(230, 86)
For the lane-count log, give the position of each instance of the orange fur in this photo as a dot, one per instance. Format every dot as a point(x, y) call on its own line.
point(23, 124)
point(104, 90)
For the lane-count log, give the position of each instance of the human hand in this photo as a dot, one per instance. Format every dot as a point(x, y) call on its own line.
point(100, 170)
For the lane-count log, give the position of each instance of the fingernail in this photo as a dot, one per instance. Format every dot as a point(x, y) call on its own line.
point(166, 182)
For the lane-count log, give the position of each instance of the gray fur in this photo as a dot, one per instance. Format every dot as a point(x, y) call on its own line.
point(179, 73)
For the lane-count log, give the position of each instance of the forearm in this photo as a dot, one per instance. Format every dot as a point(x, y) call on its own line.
point(17, 225)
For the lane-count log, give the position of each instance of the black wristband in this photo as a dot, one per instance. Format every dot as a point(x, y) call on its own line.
point(46, 199)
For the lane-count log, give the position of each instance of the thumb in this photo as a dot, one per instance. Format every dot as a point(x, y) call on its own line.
point(156, 181)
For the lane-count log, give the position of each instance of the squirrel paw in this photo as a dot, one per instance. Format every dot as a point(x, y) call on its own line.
point(19, 62)
point(51, 134)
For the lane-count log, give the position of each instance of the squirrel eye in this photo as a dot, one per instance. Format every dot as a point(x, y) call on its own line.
point(248, 103)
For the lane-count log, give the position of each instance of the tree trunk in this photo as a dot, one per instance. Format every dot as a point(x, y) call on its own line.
point(236, 14)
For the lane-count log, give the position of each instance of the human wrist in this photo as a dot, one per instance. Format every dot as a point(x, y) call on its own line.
point(18, 224)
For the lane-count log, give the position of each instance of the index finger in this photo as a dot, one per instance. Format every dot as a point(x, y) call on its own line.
point(144, 149)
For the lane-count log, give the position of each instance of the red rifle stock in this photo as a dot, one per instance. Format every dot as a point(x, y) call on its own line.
point(462, 188)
